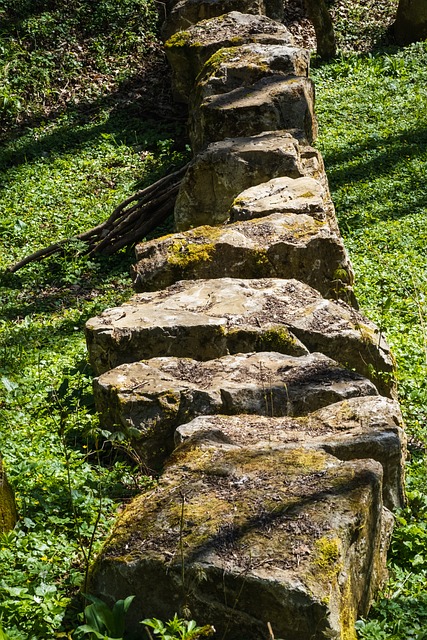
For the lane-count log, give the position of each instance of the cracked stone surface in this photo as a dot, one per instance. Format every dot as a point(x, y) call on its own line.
point(236, 67)
point(297, 242)
point(187, 51)
point(206, 319)
point(294, 537)
point(356, 428)
point(155, 396)
point(272, 103)
point(217, 175)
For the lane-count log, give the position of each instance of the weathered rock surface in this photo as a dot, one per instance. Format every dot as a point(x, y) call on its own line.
point(281, 195)
point(357, 428)
point(280, 245)
point(272, 103)
point(225, 169)
point(156, 396)
point(294, 538)
point(210, 318)
point(8, 512)
point(264, 394)
point(236, 67)
point(185, 13)
point(187, 51)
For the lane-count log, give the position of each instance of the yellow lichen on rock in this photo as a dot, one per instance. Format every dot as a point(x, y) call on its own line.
point(8, 513)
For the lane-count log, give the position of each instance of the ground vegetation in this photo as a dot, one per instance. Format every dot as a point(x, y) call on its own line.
point(86, 120)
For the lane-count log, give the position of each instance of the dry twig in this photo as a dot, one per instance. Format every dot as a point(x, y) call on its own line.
point(129, 223)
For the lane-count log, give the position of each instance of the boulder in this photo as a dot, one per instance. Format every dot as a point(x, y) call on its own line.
point(149, 399)
point(411, 21)
point(217, 175)
point(186, 13)
point(8, 512)
point(237, 538)
point(272, 103)
point(281, 245)
point(356, 428)
point(187, 51)
point(206, 319)
point(235, 67)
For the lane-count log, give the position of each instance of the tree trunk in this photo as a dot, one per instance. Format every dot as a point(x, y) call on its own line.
point(319, 15)
point(411, 21)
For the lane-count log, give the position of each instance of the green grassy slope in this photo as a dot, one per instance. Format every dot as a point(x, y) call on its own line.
point(373, 135)
point(85, 120)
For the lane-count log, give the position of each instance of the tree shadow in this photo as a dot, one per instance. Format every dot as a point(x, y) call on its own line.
point(130, 115)
point(377, 158)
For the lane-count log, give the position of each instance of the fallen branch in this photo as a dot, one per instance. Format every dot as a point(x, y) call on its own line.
point(129, 223)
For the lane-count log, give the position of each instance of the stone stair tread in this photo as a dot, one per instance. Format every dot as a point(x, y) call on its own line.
point(291, 537)
point(355, 428)
point(279, 245)
point(206, 319)
point(156, 396)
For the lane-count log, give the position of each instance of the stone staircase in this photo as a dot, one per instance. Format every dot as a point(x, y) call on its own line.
point(243, 369)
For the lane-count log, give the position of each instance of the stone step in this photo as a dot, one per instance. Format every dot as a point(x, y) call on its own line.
point(239, 537)
point(272, 103)
point(206, 319)
point(187, 51)
point(156, 396)
point(217, 175)
point(356, 428)
point(280, 245)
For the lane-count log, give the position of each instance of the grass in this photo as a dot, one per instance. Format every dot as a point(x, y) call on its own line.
point(373, 136)
point(80, 132)
point(85, 120)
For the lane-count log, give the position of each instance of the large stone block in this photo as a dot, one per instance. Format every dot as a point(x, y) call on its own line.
point(187, 51)
point(225, 169)
point(186, 13)
point(356, 428)
point(239, 537)
point(272, 103)
point(411, 21)
point(236, 67)
point(283, 196)
point(281, 245)
point(206, 319)
point(155, 396)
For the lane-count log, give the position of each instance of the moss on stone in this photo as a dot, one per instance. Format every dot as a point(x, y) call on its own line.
point(179, 39)
point(277, 339)
point(328, 556)
point(185, 254)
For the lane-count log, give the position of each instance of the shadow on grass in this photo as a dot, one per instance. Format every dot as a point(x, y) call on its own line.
point(127, 117)
point(377, 158)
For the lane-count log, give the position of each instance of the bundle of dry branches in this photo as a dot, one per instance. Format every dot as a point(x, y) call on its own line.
point(129, 223)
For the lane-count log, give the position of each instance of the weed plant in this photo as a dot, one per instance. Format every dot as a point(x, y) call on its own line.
point(372, 111)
